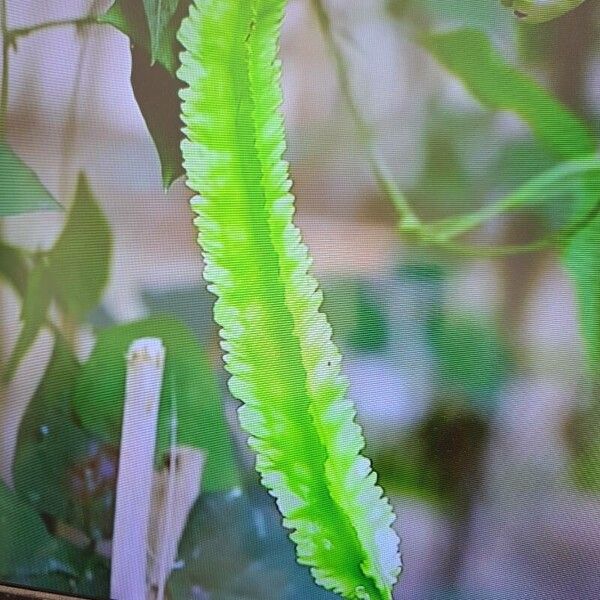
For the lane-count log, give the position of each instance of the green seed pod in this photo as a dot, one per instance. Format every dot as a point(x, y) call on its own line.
point(278, 348)
point(539, 11)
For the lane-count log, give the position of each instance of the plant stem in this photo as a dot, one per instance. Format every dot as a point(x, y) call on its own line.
point(527, 194)
point(409, 222)
point(475, 251)
point(14, 34)
point(145, 363)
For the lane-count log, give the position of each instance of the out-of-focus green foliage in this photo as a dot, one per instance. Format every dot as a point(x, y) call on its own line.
point(13, 267)
point(356, 315)
point(79, 262)
point(74, 272)
point(192, 305)
point(451, 181)
point(472, 359)
point(519, 161)
point(33, 313)
point(437, 459)
point(20, 188)
point(30, 556)
point(235, 547)
point(59, 468)
point(468, 54)
point(370, 333)
point(26, 547)
point(582, 434)
point(582, 259)
point(188, 386)
point(572, 179)
point(487, 15)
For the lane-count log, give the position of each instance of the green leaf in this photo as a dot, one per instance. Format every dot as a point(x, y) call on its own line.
point(452, 141)
point(581, 257)
point(129, 17)
point(20, 189)
point(153, 80)
point(158, 15)
point(46, 443)
point(371, 328)
point(156, 92)
point(469, 55)
point(188, 382)
point(13, 267)
point(75, 271)
point(356, 315)
point(278, 349)
point(33, 313)
point(26, 547)
point(80, 260)
point(519, 161)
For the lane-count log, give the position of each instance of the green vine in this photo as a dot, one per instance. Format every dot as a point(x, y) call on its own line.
point(442, 234)
point(408, 220)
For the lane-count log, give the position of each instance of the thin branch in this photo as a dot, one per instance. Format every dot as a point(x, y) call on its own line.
point(409, 222)
point(528, 194)
point(555, 240)
point(72, 111)
point(482, 251)
point(15, 34)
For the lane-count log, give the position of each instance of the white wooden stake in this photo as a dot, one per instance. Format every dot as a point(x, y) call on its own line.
point(145, 364)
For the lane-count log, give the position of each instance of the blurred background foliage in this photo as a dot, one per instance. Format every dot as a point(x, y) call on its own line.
point(474, 369)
